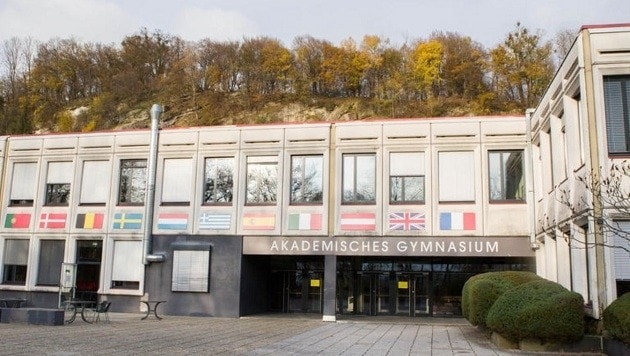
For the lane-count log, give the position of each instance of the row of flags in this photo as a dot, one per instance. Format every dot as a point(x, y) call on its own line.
point(397, 221)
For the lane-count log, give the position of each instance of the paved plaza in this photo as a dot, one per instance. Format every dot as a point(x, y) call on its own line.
point(126, 334)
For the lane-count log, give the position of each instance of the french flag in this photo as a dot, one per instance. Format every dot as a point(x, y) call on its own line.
point(457, 221)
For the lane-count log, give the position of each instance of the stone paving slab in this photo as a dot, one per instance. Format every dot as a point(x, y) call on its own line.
point(282, 334)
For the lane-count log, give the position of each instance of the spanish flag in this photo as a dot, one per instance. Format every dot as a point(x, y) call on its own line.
point(259, 221)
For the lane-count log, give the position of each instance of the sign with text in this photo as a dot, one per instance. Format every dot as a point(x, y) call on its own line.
point(388, 246)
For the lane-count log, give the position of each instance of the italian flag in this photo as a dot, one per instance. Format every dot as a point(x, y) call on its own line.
point(305, 221)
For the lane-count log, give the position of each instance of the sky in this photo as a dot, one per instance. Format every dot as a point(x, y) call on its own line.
point(485, 21)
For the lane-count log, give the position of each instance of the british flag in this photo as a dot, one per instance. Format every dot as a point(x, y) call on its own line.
point(406, 221)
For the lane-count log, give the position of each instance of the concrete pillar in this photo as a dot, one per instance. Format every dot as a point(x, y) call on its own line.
point(330, 287)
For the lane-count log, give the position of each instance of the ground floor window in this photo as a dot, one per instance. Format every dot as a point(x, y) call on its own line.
point(127, 268)
point(15, 261)
point(191, 271)
point(50, 260)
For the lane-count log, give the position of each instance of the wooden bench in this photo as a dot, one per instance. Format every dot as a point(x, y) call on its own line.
point(35, 316)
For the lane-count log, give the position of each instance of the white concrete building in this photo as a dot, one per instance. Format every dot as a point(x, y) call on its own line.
point(581, 128)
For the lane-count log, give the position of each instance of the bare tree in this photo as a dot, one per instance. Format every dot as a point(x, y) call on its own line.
point(613, 193)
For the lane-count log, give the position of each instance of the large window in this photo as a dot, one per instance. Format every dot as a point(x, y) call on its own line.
point(50, 260)
point(15, 261)
point(191, 271)
point(218, 180)
point(506, 178)
point(617, 106)
point(177, 181)
point(456, 180)
point(133, 181)
point(307, 179)
point(359, 178)
point(406, 177)
point(58, 183)
point(95, 183)
point(23, 184)
point(127, 267)
point(262, 180)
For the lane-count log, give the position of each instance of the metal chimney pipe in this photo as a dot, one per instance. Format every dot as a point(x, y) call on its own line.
point(149, 199)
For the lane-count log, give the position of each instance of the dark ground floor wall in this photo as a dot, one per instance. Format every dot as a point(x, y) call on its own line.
point(225, 274)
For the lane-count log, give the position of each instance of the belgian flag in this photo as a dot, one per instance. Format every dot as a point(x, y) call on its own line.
point(90, 221)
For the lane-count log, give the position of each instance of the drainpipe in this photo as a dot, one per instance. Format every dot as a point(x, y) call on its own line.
point(531, 196)
point(149, 199)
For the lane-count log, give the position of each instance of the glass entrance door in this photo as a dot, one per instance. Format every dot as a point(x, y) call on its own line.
point(297, 291)
point(412, 294)
point(374, 294)
point(88, 258)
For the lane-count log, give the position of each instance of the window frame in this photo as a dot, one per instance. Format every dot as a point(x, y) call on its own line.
point(40, 264)
point(23, 201)
point(177, 271)
point(504, 174)
point(442, 174)
point(129, 195)
point(116, 284)
point(393, 156)
point(265, 161)
point(204, 189)
point(624, 80)
point(89, 181)
point(354, 200)
point(302, 178)
point(12, 269)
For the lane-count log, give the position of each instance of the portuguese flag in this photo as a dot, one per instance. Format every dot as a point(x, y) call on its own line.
point(17, 221)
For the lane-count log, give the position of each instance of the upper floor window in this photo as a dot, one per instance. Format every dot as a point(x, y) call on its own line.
point(58, 183)
point(133, 181)
point(307, 179)
point(262, 180)
point(359, 178)
point(406, 177)
point(23, 184)
point(456, 176)
point(506, 178)
point(177, 181)
point(95, 183)
point(218, 180)
point(617, 106)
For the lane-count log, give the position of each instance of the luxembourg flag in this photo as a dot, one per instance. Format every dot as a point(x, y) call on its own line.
point(172, 221)
point(457, 221)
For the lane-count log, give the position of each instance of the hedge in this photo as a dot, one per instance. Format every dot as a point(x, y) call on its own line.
point(616, 318)
point(481, 291)
point(538, 310)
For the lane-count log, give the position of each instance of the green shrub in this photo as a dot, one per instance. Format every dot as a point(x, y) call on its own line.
point(539, 309)
point(616, 318)
point(481, 291)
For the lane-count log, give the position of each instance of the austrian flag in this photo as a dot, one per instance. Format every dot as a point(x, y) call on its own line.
point(52, 220)
point(358, 221)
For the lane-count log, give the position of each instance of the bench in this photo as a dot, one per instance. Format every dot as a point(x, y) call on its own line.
point(34, 316)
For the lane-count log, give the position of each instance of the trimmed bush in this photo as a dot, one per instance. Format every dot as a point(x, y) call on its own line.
point(617, 318)
point(538, 310)
point(481, 291)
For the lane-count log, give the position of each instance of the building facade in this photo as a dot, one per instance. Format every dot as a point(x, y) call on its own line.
point(579, 132)
point(372, 217)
